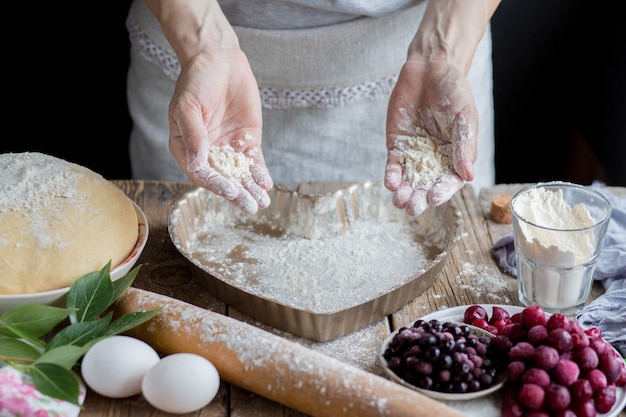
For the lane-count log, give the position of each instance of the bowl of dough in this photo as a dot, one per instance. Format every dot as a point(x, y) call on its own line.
point(58, 222)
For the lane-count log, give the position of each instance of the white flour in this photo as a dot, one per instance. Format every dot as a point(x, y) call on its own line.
point(552, 254)
point(425, 158)
point(229, 163)
point(29, 181)
point(548, 209)
point(322, 275)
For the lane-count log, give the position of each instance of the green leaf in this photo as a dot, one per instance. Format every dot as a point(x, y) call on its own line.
point(131, 320)
point(17, 350)
point(123, 283)
point(66, 356)
point(55, 381)
point(18, 334)
point(32, 320)
point(90, 295)
point(82, 333)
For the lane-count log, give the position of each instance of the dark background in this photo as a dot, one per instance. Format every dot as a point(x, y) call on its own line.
point(559, 89)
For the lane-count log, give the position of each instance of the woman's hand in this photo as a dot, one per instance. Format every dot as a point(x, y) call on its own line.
point(437, 98)
point(433, 93)
point(216, 103)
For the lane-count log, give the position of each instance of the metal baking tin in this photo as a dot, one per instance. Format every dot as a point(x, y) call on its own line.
point(316, 215)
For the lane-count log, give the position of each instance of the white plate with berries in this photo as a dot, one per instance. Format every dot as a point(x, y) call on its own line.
point(445, 360)
point(550, 352)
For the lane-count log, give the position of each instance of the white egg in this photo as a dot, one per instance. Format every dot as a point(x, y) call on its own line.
point(114, 367)
point(181, 383)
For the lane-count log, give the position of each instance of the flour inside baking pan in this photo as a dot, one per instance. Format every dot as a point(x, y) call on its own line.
point(321, 275)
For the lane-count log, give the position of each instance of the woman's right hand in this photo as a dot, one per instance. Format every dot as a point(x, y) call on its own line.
point(216, 103)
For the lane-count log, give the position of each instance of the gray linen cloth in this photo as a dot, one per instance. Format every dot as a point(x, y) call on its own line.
point(607, 312)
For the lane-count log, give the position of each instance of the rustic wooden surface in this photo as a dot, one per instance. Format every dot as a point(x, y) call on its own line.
point(470, 276)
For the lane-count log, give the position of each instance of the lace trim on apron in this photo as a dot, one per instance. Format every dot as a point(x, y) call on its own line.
point(272, 98)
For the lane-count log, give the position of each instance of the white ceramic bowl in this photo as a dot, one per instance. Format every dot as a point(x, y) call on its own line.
point(57, 297)
point(453, 396)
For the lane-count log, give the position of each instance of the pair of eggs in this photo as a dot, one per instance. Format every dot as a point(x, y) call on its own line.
point(122, 366)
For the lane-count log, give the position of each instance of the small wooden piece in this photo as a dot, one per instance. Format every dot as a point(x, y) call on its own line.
point(501, 208)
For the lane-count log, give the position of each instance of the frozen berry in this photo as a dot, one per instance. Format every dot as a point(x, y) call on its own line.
point(536, 376)
point(474, 312)
point(609, 364)
point(499, 314)
point(521, 351)
point(579, 340)
point(515, 371)
point(531, 396)
point(597, 379)
point(581, 390)
point(518, 333)
point(492, 329)
point(558, 321)
point(586, 358)
point(575, 327)
point(560, 339)
point(516, 318)
point(600, 346)
point(545, 357)
point(604, 399)
point(533, 315)
point(506, 330)
point(584, 409)
point(557, 397)
point(566, 372)
point(593, 333)
point(481, 323)
point(537, 334)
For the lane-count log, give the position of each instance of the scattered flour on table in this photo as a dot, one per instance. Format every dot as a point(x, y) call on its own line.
point(425, 158)
point(493, 284)
point(360, 348)
point(321, 275)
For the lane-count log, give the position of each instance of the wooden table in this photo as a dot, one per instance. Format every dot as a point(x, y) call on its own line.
point(470, 276)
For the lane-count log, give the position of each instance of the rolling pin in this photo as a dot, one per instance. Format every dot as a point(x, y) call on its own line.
point(271, 366)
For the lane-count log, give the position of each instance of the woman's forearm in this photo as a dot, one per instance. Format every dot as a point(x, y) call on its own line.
point(193, 26)
point(451, 30)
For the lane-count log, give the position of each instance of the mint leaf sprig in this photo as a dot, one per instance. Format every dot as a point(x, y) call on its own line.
point(23, 332)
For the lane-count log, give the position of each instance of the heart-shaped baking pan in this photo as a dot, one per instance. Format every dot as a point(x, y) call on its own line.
point(316, 265)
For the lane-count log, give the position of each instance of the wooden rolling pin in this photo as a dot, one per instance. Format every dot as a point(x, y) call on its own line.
point(271, 366)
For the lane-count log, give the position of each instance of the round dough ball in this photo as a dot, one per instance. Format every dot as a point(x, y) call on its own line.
point(58, 222)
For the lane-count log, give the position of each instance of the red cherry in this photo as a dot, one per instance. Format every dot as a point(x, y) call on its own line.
point(474, 312)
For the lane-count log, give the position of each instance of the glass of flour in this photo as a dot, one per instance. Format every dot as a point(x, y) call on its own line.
point(559, 230)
